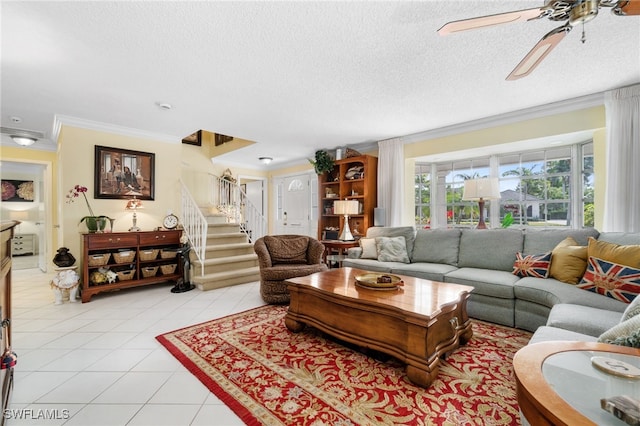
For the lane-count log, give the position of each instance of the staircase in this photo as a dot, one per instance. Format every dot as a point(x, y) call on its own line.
point(221, 254)
point(229, 257)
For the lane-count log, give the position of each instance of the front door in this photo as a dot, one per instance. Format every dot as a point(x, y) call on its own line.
point(294, 205)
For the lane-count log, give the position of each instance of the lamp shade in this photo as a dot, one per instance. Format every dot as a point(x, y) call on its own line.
point(346, 207)
point(485, 188)
point(134, 204)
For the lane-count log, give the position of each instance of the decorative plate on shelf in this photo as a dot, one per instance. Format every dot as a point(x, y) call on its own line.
point(379, 281)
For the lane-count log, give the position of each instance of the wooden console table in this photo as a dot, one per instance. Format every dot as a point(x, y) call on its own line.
point(152, 258)
point(557, 385)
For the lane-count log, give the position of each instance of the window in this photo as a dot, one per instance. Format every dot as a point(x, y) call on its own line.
point(550, 187)
point(422, 190)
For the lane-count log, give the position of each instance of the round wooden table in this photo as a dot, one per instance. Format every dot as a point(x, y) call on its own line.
point(550, 374)
point(338, 247)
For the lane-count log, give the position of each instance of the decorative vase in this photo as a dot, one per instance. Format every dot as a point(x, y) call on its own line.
point(63, 259)
point(96, 223)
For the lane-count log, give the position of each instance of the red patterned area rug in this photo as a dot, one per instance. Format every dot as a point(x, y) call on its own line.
point(268, 375)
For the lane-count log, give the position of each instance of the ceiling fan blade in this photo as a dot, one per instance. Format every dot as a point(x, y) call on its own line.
point(539, 52)
point(627, 8)
point(490, 20)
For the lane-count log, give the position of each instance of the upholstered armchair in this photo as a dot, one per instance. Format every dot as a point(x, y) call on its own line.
point(286, 256)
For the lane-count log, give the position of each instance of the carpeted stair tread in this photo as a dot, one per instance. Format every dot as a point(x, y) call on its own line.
point(227, 259)
point(230, 246)
point(228, 278)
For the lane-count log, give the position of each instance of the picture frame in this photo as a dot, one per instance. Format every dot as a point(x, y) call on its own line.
point(14, 190)
point(123, 173)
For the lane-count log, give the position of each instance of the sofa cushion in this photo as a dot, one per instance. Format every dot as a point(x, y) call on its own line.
point(544, 240)
point(369, 264)
point(532, 265)
point(546, 334)
point(287, 250)
point(623, 254)
point(610, 279)
point(392, 249)
point(549, 292)
point(437, 246)
point(489, 248)
point(582, 319)
point(486, 282)
point(408, 232)
point(369, 250)
point(424, 270)
point(568, 261)
point(622, 238)
point(627, 333)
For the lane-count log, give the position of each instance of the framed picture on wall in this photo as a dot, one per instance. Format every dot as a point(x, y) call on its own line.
point(123, 173)
point(18, 190)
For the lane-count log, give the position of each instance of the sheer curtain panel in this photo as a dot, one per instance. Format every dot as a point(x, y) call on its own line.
point(390, 178)
point(622, 207)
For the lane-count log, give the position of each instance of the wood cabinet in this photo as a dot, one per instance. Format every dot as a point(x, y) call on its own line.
point(23, 244)
point(113, 261)
point(353, 178)
point(6, 374)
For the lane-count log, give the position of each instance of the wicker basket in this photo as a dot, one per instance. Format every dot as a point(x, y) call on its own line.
point(168, 269)
point(98, 259)
point(148, 254)
point(168, 254)
point(124, 256)
point(126, 275)
point(149, 271)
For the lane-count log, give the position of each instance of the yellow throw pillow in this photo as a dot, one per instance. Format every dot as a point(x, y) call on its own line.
point(568, 261)
point(628, 255)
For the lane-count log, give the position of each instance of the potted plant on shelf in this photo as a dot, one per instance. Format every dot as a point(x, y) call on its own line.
point(322, 162)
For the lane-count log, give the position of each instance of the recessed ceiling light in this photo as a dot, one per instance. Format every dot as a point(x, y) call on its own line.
point(265, 160)
point(164, 105)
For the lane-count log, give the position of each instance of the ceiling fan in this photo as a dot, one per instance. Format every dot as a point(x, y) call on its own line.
point(573, 11)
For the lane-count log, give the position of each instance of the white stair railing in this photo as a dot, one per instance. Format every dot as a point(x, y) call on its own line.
point(195, 225)
point(232, 201)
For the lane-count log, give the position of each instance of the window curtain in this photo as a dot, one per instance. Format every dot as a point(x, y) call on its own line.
point(390, 178)
point(622, 207)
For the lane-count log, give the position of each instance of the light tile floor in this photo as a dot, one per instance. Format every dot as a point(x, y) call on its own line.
point(100, 362)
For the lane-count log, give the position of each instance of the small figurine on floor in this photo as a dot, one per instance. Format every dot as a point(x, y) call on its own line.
point(65, 279)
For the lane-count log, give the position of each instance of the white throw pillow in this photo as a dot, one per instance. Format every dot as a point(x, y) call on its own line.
point(369, 250)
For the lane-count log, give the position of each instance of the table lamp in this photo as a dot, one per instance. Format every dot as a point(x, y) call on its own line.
point(134, 204)
point(480, 190)
point(346, 208)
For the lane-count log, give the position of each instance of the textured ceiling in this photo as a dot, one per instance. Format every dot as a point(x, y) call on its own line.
point(292, 76)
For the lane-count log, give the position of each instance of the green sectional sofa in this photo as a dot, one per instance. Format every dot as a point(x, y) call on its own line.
point(484, 259)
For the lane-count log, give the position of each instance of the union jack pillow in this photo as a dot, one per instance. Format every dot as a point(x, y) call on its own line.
point(532, 265)
point(610, 279)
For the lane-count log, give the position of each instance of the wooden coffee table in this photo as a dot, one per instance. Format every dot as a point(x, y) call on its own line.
point(417, 323)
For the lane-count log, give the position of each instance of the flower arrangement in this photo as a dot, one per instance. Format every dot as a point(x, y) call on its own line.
point(93, 222)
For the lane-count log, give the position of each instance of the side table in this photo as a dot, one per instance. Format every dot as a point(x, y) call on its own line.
point(336, 250)
point(558, 385)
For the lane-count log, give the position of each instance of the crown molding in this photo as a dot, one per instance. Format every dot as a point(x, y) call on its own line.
point(568, 105)
point(66, 120)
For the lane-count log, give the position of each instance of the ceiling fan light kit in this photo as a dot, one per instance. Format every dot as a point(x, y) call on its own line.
point(574, 12)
